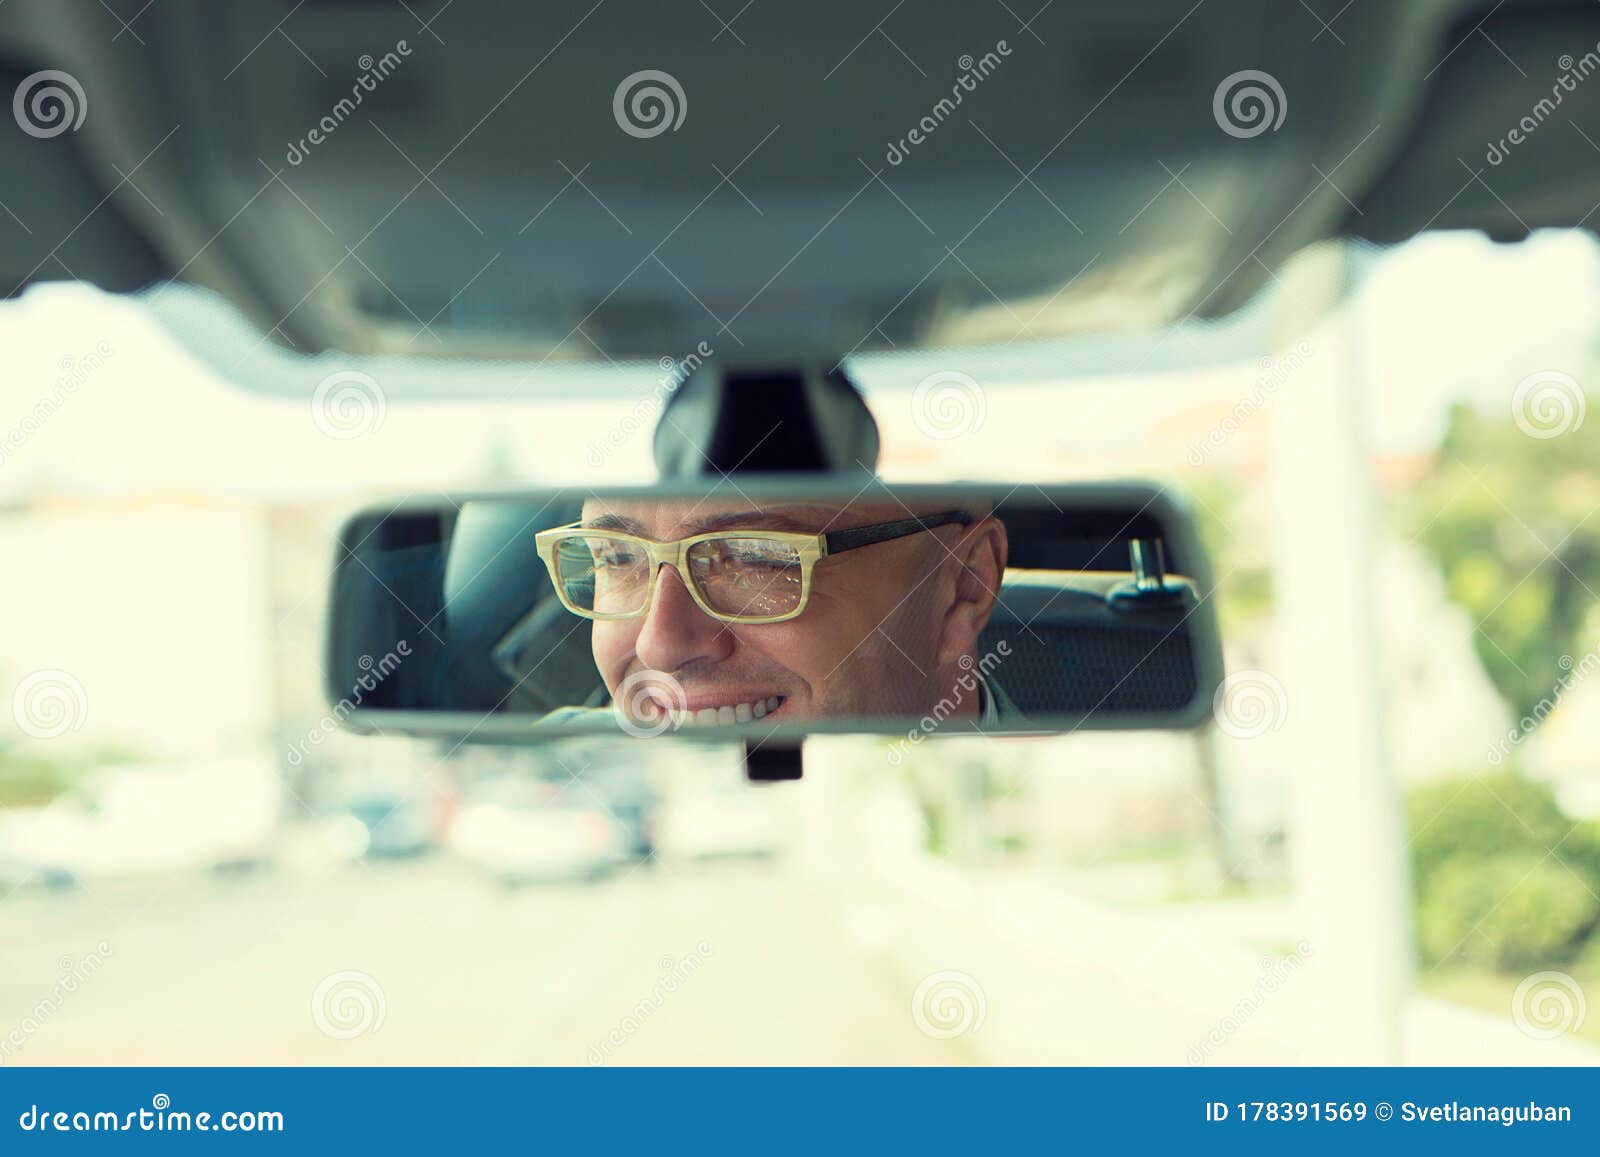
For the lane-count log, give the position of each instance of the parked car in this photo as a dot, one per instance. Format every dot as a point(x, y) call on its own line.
point(520, 830)
point(391, 815)
point(140, 820)
point(732, 821)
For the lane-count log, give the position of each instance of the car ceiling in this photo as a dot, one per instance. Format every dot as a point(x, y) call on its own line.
point(485, 199)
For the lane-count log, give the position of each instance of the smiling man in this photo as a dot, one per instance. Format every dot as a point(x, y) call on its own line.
point(783, 610)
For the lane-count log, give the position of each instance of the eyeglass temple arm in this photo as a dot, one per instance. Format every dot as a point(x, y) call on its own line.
point(842, 540)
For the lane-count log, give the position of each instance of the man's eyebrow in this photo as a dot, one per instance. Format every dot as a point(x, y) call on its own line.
point(614, 522)
point(730, 520)
point(755, 520)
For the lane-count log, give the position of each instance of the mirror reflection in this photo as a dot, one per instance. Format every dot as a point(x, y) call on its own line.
point(968, 609)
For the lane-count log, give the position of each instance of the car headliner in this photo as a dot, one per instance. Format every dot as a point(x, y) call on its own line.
point(486, 200)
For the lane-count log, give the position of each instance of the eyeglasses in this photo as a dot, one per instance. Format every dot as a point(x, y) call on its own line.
point(737, 576)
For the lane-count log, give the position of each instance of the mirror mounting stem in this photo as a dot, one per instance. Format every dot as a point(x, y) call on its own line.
point(792, 417)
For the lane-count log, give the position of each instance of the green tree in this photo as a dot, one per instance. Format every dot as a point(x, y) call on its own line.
point(1502, 876)
point(1506, 516)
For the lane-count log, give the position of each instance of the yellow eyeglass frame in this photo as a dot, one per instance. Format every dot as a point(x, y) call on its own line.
point(808, 547)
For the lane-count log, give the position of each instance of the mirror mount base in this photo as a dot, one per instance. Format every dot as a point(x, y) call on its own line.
point(1147, 559)
point(801, 417)
point(1131, 598)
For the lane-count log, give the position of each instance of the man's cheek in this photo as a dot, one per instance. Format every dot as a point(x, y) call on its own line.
point(611, 647)
point(787, 647)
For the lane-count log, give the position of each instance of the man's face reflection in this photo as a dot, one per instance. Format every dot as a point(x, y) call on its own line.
point(883, 633)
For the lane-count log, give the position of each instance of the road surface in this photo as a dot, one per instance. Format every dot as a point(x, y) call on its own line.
point(427, 962)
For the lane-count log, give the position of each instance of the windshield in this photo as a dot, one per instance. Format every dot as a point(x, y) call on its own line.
point(167, 524)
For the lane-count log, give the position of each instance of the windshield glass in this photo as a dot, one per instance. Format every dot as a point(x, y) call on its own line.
point(178, 806)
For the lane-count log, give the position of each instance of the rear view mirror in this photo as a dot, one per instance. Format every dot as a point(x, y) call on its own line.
point(768, 608)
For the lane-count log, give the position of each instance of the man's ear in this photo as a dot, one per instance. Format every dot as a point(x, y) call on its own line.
point(980, 555)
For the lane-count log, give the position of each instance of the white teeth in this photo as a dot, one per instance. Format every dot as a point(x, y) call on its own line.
point(730, 713)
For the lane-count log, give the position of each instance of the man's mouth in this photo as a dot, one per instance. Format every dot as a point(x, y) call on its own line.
point(719, 714)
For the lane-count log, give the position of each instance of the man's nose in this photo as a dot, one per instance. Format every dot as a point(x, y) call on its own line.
point(676, 631)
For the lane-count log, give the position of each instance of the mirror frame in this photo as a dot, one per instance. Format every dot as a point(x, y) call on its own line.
point(1167, 511)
